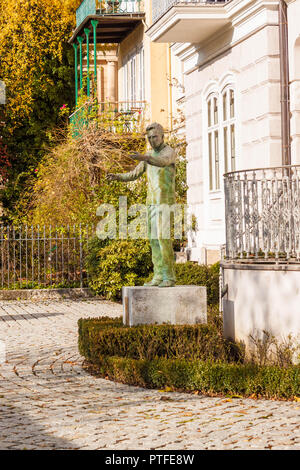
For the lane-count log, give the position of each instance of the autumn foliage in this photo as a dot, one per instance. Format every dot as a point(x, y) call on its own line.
point(37, 66)
point(33, 34)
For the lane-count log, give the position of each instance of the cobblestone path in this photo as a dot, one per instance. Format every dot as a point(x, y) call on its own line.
point(47, 401)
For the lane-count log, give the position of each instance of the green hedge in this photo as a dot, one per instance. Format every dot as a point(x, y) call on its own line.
point(186, 358)
point(206, 377)
point(99, 338)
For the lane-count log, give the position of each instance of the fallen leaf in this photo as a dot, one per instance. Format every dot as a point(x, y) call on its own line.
point(297, 399)
point(186, 421)
point(266, 417)
point(254, 396)
point(166, 389)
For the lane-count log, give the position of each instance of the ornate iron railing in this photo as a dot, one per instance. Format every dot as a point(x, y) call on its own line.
point(107, 7)
point(44, 256)
point(160, 7)
point(262, 208)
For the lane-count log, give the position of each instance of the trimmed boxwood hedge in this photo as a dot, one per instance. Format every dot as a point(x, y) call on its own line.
point(212, 378)
point(104, 337)
point(187, 358)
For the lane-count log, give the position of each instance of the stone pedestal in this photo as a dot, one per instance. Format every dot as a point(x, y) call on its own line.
point(179, 305)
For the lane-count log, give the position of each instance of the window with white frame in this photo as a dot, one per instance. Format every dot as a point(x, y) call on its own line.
point(221, 135)
point(134, 77)
point(228, 124)
point(213, 142)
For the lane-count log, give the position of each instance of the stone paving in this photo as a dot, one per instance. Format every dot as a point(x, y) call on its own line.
point(47, 401)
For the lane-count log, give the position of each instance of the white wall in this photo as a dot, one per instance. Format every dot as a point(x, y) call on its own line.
point(250, 60)
point(259, 300)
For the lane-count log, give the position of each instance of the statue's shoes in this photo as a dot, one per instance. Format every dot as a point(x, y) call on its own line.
point(154, 282)
point(167, 284)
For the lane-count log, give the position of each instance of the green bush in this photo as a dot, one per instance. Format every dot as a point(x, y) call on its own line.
point(151, 341)
point(187, 358)
point(200, 275)
point(119, 263)
point(237, 380)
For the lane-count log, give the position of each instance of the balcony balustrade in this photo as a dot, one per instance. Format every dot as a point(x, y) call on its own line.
point(107, 7)
point(262, 208)
point(160, 7)
point(123, 117)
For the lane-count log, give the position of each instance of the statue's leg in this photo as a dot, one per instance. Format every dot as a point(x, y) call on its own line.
point(165, 222)
point(168, 262)
point(155, 246)
point(156, 260)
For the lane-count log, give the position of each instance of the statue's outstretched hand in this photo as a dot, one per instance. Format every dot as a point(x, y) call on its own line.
point(137, 156)
point(111, 177)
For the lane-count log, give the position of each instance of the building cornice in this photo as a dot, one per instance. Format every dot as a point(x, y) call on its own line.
point(247, 17)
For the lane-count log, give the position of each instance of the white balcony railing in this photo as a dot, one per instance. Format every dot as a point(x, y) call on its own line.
point(263, 215)
point(160, 7)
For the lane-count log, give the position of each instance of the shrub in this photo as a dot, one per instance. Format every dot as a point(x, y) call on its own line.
point(151, 341)
point(120, 263)
point(113, 264)
point(200, 275)
point(187, 358)
point(236, 380)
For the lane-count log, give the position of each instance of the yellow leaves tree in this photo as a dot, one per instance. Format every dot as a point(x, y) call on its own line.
point(33, 34)
point(37, 66)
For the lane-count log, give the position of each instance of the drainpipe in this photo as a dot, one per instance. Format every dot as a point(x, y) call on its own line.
point(284, 84)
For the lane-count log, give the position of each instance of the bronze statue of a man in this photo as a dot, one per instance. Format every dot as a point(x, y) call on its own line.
point(159, 166)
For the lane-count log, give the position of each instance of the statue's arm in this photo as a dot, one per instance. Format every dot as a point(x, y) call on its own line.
point(131, 175)
point(167, 157)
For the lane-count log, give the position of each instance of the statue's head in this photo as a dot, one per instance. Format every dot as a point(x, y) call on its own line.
point(155, 134)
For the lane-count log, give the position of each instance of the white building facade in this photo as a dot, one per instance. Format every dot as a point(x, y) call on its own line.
point(232, 63)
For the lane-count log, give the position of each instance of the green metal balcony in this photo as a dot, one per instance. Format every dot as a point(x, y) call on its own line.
point(116, 18)
point(107, 7)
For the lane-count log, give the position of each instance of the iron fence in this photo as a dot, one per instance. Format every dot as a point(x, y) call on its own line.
point(44, 256)
point(160, 7)
point(262, 208)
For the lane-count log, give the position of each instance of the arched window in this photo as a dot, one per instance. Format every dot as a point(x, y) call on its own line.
point(228, 125)
point(213, 141)
point(221, 134)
